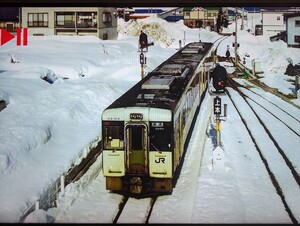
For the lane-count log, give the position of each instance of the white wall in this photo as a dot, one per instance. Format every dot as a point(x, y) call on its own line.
point(292, 30)
point(273, 23)
point(110, 29)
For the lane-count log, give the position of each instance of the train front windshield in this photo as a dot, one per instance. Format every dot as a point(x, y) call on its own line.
point(113, 135)
point(161, 136)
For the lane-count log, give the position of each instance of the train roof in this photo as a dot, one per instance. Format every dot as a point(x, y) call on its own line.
point(163, 87)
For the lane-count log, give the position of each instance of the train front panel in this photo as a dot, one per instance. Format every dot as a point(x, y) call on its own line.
point(137, 149)
point(113, 155)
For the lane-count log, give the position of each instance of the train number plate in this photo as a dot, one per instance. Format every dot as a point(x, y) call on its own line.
point(136, 116)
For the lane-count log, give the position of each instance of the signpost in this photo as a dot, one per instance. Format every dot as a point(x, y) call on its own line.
point(217, 112)
point(217, 106)
point(218, 152)
point(219, 82)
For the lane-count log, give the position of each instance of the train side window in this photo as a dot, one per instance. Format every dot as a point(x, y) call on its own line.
point(113, 136)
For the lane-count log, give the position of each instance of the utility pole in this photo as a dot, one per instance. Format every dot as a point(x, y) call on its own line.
point(20, 17)
point(199, 24)
point(242, 26)
point(235, 38)
point(143, 63)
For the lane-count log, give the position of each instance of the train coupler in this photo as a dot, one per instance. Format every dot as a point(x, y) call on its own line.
point(135, 185)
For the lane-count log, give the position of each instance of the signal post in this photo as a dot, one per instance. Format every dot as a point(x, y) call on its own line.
point(143, 48)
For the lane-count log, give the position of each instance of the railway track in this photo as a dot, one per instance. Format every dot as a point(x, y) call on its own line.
point(143, 208)
point(256, 91)
point(285, 119)
point(280, 162)
point(271, 159)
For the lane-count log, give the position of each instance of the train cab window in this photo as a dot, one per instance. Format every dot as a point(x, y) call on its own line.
point(137, 138)
point(113, 135)
point(160, 136)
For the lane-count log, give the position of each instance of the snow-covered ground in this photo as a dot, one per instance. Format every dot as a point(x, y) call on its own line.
point(46, 128)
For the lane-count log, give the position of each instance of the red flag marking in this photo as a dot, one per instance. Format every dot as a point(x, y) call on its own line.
point(25, 36)
point(5, 36)
point(19, 36)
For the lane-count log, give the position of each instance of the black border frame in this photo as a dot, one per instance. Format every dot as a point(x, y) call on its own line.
point(154, 3)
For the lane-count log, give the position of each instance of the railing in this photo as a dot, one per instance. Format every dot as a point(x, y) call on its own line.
point(297, 80)
point(49, 197)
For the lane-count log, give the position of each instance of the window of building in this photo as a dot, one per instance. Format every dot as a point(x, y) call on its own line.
point(37, 19)
point(278, 17)
point(86, 19)
point(297, 38)
point(107, 17)
point(297, 23)
point(65, 19)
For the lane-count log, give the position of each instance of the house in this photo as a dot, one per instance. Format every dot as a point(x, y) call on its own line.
point(293, 29)
point(141, 13)
point(273, 20)
point(10, 18)
point(172, 15)
point(236, 11)
point(169, 14)
point(97, 21)
point(196, 17)
point(125, 13)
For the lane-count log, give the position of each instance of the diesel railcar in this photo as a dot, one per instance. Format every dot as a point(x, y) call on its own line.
point(145, 130)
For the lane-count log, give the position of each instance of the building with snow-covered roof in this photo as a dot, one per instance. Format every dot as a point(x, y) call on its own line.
point(293, 29)
point(273, 20)
point(172, 15)
point(169, 14)
point(195, 17)
point(97, 21)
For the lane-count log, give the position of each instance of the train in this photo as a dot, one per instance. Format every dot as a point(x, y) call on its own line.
point(144, 132)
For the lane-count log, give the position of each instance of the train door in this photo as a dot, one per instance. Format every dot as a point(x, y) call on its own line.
point(136, 148)
point(178, 142)
point(179, 139)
